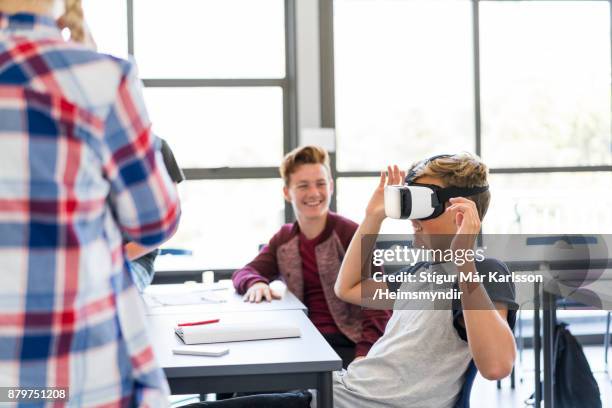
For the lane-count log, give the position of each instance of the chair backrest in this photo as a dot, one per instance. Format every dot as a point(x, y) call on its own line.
point(464, 395)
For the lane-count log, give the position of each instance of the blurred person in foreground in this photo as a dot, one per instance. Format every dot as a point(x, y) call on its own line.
point(79, 170)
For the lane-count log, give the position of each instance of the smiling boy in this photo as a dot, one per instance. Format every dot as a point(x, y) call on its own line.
point(307, 256)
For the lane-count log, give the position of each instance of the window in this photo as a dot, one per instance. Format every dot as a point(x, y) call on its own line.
point(210, 38)
point(524, 84)
point(404, 81)
point(202, 124)
point(225, 221)
point(108, 23)
point(554, 203)
point(546, 87)
point(219, 83)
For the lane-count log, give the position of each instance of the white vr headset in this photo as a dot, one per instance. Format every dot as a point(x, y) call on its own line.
point(417, 201)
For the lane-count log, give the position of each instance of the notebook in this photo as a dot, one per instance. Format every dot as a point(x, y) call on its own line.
point(236, 331)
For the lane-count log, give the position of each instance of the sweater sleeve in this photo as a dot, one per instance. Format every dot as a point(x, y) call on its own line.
point(264, 268)
point(373, 322)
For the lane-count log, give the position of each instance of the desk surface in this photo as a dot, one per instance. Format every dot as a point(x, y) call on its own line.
point(308, 353)
point(232, 302)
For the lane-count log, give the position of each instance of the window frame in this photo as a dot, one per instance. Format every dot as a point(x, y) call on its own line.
point(328, 119)
point(288, 85)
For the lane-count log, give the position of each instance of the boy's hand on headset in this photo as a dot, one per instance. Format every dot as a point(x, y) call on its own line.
point(376, 206)
point(467, 221)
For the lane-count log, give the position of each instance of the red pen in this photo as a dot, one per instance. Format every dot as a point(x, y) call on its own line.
point(199, 323)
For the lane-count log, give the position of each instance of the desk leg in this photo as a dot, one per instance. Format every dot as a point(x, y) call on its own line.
point(537, 346)
point(325, 393)
point(549, 338)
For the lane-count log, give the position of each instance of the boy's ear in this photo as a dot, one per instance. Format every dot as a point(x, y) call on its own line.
point(331, 187)
point(286, 194)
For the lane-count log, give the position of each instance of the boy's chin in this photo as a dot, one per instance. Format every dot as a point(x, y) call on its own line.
point(314, 212)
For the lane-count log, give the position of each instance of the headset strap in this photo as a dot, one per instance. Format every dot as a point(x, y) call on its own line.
point(444, 194)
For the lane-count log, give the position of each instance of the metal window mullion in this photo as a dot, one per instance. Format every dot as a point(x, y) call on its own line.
point(477, 106)
point(290, 116)
point(326, 50)
point(130, 26)
point(229, 173)
point(505, 170)
point(289, 84)
point(563, 169)
point(328, 104)
point(208, 82)
point(343, 174)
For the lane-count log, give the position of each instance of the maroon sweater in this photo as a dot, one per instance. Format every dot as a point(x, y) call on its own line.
point(281, 259)
point(314, 296)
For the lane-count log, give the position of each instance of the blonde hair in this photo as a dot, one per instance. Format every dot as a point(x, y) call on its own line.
point(459, 170)
point(73, 19)
point(303, 155)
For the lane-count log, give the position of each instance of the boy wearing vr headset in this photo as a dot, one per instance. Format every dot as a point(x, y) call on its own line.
point(424, 353)
point(307, 256)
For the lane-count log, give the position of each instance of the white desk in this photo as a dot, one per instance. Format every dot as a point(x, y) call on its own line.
point(158, 297)
point(260, 365)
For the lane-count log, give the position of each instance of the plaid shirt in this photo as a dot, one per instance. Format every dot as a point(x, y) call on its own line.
point(79, 169)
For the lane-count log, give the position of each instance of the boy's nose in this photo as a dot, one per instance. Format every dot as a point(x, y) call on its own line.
point(313, 190)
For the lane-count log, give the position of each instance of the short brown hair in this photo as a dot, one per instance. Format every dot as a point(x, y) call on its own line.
point(459, 170)
point(303, 155)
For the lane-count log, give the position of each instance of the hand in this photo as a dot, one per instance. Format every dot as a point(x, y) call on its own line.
point(467, 221)
point(258, 291)
point(376, 206)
